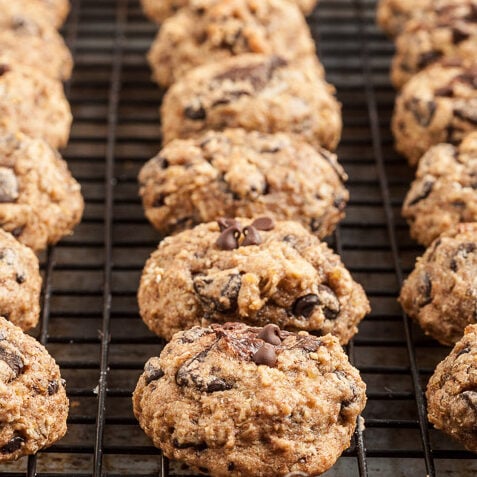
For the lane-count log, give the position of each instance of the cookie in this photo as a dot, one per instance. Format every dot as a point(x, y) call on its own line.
point(232, 400)
point(159, 10)
point(31, 40)
point(437, 105)
point(441, 292)
point(32, 395)
point(451, 395)
point(33, 104)
point(57, 10)
point(255, 271)
point(40, 202)
point(449, 34)
point(444, 192)
point(254, 92)
point(236, 173)
point(206, 32)
point(21, 283)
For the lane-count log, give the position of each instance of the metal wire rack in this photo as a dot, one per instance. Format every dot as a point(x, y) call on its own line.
point(90, 321)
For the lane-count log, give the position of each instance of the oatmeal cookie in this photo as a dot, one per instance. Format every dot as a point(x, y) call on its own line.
point(21, 283)
point(31, 40)
point(33, 401)
point(40, 202)
point(437, 105)
point(451, 392)
point(444, 192)
point(33, 104)
point(256, 271)
point(232, 400)
point(450, 34)
point(244, 174)
point(159, 10)
point(441, 292)
point(254, 92)
point(208, 32)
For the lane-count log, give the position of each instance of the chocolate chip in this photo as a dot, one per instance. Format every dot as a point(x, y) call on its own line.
point(17, 231)
point(20, 278)
point(463, 351)
point(225, 223)
point(424, 290)
point(270, 334)
point(218, 384)
point(53, 387)
point(423, 111)
point(196, 113)
point(228, 239)
point(423, 194)
point(218, 291)
point(265, 355)
point(329, 301)
point(445, 91)
point(4, 69)
point(14, 361)
point(264, 223)
point(315, 224)
point(308, 343)
point(462, 251)
point(470, 397)
point(427, 58)
point(152, 371)
point(12, 445)
point(159, 200)
point(252, 237)
point(305, 305)
point(230, 466)
point(339, 202)
point(8, 185)
point(459, 35)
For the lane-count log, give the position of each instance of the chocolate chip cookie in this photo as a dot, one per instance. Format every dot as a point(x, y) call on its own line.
point(32, 395)
point(212, 31)
point(449, 33)
point(231, 400)
point(55, 11)
point(444, 192)
point(451, 392)
point(437, 105)
point(256, 271)
point(159, 10)
point(40, 202)
point(21, 282)
point(33, 104)
point(26, 37)
point(245, 174)
point(255, 92)
point(441, 292)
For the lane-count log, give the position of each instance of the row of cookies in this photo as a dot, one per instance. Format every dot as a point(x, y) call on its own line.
point(435, 127)
point(244, 122)
point(40, 202)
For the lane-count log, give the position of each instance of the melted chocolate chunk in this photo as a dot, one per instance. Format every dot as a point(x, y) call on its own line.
point(159, 200)
point(13, 360)
point(427, 58)
point(228, 239)
point(423, 194)
point(12, 445)
point(196, 113)
point(217, 385)
point(305, 305)
point(252, 237)
point(459, 35)
point(265, 355)
point(308, 343)
point(218, 291)
point(462, 251)
point(53, 387)
point(329, 301)
point(424, 290)
point(270, 334)
point(4, 69)
point(445, 91)
point(152, 372)
point(423, 111)
point(264, 223)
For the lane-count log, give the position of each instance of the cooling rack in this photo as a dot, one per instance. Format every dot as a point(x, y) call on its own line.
point(90, 321)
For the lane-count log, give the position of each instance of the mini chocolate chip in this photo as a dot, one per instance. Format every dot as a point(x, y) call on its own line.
point(218, 384)
point(4, 69)
point(195, 113)
point(270, 334)
point(12, 445)
point(225, 223)
point(304, 305)
point(228, 239)
point(20, 278)
point(329, 301)
point(423, 194)
point(264, 223)
point(265, 355)
point(8, 185)
point(252, 237)
point(53, 387)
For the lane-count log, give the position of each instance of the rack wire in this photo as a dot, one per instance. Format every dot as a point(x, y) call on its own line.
point(90, 320)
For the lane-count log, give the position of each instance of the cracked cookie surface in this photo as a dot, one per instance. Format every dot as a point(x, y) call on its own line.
point(444, 192)
point(40, 201)
point(232, 400)
point(33, 104)
point(207, 32)
point(438, 105)
point(452, 392)
point(441, 292)
point(254, 92)
point(159, 10)
point(21, 282)
point(256, 271)
point(32, 395)
point(244, 174)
